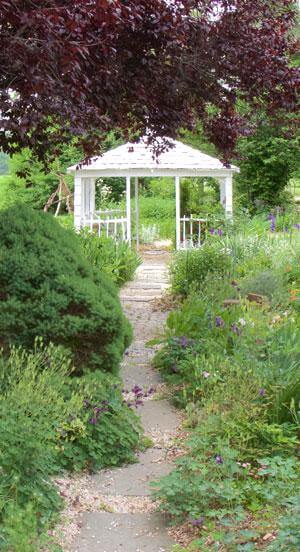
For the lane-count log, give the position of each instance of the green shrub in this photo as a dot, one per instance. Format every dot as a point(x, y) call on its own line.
point(163, 188)
point(234, 367)
point(32, 407)
point(281, 373)
point(288, 538)
point(156, 208)
point(212, 482)
point(117, 260)
point(268, 160)
point(49, 421)
point(191, 268)
point(104, 431)
point(11, 191)
point(19, 531)
point(48, 289)
point(267, 283)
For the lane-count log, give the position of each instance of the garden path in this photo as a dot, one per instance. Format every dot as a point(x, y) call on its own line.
point(127, 520)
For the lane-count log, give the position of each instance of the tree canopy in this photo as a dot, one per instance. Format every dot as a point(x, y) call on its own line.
point(72, 67)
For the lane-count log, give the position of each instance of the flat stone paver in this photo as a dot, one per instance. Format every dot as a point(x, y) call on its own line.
point(134, 479)
point(123, 533)
point(141, 375)
point(158, 415)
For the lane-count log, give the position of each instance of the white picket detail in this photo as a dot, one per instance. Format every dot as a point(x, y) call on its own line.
point(191, 232)
point(111, 223)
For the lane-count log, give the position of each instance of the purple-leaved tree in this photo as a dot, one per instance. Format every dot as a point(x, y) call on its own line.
point(82, 67)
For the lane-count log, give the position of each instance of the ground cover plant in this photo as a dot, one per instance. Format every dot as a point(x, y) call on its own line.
point(116, 259)
point(60, 287)
point(50, 422)
point(32, 407)
point(231, 354)
point(48, 289)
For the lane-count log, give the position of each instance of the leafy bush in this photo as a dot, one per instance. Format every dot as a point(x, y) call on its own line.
point(235, 368)
point(163, 188)
point(267, 283)
point(117, 260)
point(289, 535)
point(104, 431)
point(19, 531)
point(32, 407)
point(268, 160)
point(156, 208)
point(11, 191)
point(191, 268)
point(213, 482)
point(48, 289)
point(49, 421)
point(281, 375)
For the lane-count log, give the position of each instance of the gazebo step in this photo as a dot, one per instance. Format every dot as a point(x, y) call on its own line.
point(142, 292)
point(146, 285)
point(139, 298)
point(156, 280)
point(150, 267)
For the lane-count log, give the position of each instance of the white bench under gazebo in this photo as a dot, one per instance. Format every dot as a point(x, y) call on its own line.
point(136, 160)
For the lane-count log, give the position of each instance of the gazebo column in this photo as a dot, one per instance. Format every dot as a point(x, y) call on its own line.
point(228, 196)
point(177, 194)
point(137, 214)
point(78, 202)
point(128, 209)
point(88, 199)
point(222, 191)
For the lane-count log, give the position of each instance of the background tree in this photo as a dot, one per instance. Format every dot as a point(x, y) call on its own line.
point(72, 68)
point(33, 183)
point(268, 160)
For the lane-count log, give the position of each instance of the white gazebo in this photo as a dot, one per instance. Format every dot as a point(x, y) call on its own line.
point(134, 160)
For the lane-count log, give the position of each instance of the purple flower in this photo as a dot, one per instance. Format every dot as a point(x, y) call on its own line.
point(220, 232)
point(262, 392)
point(93, 421)
point(86, 403)
point(272, 226)
point(286, 229)
point(136, 390)
point(297, 226)
point(184, 341)
point(212, 231)
point(218, 459)
point(235, 329)
point(272, 217)
point(198, 522)
point(219, 322)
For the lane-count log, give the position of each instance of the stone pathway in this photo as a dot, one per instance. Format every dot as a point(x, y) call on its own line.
point(130, 523)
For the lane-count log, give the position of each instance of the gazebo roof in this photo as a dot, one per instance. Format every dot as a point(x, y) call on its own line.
point(137, 159)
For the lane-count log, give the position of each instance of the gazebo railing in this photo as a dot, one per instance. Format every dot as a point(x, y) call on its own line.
point(192, 232)
point(111, 223)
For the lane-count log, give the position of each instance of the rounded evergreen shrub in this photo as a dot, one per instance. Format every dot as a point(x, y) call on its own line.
point(48, 289)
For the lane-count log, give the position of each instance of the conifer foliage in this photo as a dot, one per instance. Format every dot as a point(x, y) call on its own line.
point(48, 290)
